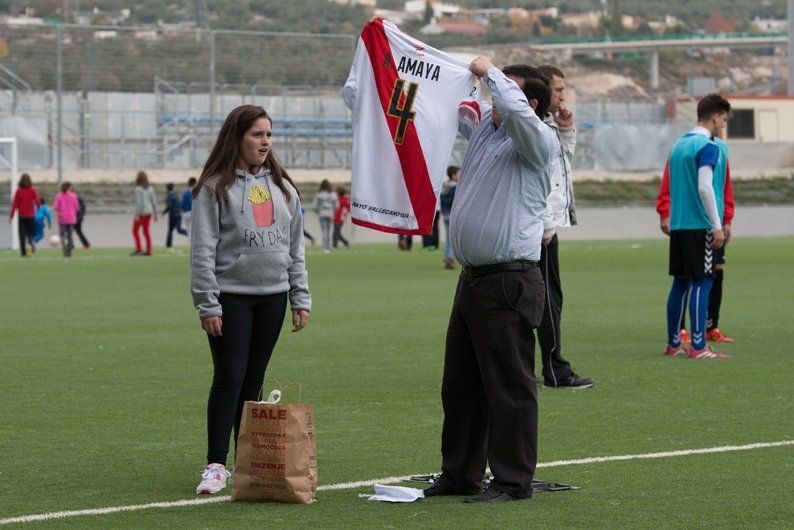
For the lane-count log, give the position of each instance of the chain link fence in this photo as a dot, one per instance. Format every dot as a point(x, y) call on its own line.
point(111, 97)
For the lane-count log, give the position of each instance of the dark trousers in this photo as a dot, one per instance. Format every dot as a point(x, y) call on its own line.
point(554, 366)
point(67, 239)
point(78, 229)
point(251, 325)
point(431, 239)
point(338, 235)
point(26, 228)
point(174, 223)
point(488, 388)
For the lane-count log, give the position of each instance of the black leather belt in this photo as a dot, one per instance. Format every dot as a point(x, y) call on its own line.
point(510, 266)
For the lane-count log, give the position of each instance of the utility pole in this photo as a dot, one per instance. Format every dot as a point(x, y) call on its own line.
point(790, 47)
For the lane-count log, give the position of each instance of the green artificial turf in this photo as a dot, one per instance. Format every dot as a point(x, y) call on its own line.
point(105, 374)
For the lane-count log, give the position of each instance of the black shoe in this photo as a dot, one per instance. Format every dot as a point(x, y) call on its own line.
point(492, 495)
point(438, 489)
point(572, 381)
point(136, 253)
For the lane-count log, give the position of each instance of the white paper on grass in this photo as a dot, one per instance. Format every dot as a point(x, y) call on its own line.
point(394, 494)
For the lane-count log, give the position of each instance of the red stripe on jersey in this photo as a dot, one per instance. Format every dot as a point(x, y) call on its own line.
point(412, 159)
point(474, 105)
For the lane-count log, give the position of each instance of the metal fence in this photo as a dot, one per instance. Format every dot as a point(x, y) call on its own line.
point(101, 97)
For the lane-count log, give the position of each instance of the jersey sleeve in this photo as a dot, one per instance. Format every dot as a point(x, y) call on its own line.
point(663, 198)
point(708, 155)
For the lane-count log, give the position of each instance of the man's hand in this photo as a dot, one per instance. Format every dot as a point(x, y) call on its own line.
point(300, 317)
point(547, 240)
point(664, 224)
point(212, 325)
point(564, 118)
point(718, 239)
point(479, 66)
point(727, 229)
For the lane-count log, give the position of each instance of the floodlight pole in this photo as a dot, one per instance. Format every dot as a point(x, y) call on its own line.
point(58, 91)
point(212, 85)
point(790, 90)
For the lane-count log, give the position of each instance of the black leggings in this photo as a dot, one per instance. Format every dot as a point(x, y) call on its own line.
point(27, 230)
point(251, 325)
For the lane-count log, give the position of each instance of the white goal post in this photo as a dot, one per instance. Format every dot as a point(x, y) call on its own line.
point(8, 162)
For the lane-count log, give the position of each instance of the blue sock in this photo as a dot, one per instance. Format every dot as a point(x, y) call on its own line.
point(675, 310)
point(698, 310)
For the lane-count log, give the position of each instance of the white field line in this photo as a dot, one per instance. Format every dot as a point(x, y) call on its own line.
point(388, 480)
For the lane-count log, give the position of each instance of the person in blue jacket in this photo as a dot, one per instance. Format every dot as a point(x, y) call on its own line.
point(42, 214)
point(173, 208)
point(186, 204)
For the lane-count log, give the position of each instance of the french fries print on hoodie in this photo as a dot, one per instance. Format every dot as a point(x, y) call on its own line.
point(249, 243)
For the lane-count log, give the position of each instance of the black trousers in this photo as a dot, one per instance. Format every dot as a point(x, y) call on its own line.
point(251, 325)
point(78, 229)
point(26, 229)
point(174, 223)
point(488, 388)
point(555, 367)
point(338, 235)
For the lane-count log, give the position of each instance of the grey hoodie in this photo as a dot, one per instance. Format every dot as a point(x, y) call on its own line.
point(250, 243)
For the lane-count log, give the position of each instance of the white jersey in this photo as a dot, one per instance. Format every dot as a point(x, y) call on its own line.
point(404, 96)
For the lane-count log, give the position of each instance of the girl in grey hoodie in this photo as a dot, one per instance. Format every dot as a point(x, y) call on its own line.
point(246, 259)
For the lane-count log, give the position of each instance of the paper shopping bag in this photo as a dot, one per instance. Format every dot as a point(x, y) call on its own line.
point(276, 453)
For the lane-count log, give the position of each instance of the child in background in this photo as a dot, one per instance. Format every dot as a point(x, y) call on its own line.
point(42, 214)
point(67, 208)
point(325, 204)
point(145, 208)
point(173, 209)
point(186, 204)
point(25, 201)
point(340, 216)
point(78, 227)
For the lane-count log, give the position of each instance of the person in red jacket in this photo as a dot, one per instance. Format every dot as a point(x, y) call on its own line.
point(713, 332)
point(25, 201)
point(340, 216)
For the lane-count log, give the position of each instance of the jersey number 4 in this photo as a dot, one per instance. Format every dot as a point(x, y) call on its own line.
point(400, 107)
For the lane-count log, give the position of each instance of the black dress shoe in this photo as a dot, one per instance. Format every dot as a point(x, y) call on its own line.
point(572, 381)
point(492, 495)
point(439, 488)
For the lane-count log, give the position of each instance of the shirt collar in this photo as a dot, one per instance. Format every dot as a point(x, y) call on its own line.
point(701, 130)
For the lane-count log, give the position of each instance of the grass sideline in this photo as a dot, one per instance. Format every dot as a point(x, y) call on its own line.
point(106, 374)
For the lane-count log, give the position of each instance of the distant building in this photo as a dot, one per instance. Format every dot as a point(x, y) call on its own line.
point(770, 25)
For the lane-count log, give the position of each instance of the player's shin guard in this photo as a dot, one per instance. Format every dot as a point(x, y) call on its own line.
point(698, 308)
point(715, 301)
point(675, 310)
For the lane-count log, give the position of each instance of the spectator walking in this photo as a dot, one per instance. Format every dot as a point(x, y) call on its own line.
point(67, 208)
point(325, 204)
point(186, 204)
point(78, 227)
point(340, 216)
point(173, 209)
point(145, 208)
point(25, 201)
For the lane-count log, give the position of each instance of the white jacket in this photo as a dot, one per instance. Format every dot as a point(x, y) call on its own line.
point(560, 205)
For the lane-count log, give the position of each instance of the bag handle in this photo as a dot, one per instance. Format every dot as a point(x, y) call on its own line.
point(275, 394)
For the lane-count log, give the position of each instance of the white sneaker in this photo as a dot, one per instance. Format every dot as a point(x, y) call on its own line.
point(213, 479)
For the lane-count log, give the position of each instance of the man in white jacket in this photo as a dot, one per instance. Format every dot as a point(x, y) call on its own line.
point(560, 211)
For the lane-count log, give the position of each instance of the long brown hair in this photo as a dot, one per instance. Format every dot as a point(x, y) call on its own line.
point(142, 180)
point(223, 157)
point(24, 181)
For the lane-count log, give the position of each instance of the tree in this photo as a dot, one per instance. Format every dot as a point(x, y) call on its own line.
point(428, 12)
point(616, 24)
